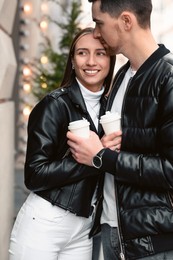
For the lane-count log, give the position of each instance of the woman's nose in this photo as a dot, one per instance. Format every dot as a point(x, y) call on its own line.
point(91, 60)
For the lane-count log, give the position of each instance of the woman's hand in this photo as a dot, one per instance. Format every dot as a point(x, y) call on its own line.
point(84, 149)
point(112, 141)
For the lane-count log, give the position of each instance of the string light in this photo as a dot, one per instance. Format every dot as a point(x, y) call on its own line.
point(25, 93)
point(42, 78)
point(43, 24)
point(44, 7)
point(44, 85)
point(26, 71)
point(44, 59)
point(26, 110)
point(27, 8)
point(27, 87)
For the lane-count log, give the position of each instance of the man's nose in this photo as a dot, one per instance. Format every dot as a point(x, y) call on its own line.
point(96, 33)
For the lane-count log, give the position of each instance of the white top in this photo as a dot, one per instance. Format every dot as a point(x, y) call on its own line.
point(109, 214)
point(92, 101)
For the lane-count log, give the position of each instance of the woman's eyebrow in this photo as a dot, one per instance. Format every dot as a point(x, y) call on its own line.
point(81, 49)
point(98, 49)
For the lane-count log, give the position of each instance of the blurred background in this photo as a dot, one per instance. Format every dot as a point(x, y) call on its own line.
point(34, 40)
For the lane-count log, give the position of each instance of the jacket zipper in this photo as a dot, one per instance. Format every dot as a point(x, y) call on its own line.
point(122, 254)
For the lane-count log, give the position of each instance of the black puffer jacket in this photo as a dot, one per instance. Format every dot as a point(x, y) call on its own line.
point(144, 169)
point(48, 172)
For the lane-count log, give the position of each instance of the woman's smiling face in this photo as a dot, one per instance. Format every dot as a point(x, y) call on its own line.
point(91, 62)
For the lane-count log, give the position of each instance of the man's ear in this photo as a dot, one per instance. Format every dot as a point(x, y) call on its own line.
point(127, 20)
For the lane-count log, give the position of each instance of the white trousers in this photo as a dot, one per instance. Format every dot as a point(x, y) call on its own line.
point(47, 232)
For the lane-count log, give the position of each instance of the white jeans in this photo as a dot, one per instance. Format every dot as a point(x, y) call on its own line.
point(47, 232)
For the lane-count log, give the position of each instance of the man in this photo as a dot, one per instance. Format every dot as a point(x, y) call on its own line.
point(137, 216)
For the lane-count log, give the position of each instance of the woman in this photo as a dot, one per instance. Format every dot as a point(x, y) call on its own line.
point(56, 218)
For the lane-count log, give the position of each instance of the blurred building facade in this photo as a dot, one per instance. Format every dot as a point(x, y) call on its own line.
point(8, 66)
point(20, 27)
point(162, 23)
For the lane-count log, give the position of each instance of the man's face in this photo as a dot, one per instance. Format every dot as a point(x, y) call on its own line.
point(106, 28)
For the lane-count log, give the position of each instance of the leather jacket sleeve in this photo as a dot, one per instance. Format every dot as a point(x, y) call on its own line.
point(46, 166)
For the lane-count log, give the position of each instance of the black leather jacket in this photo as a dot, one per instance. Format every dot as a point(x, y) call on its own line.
point(49, 172)
point(144, 168)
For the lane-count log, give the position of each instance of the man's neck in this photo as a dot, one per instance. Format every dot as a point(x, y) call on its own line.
point(141, 49)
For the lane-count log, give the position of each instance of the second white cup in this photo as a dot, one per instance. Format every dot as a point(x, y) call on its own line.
point(111, 122)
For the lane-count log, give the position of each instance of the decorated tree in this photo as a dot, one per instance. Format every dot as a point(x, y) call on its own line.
point(47, 78)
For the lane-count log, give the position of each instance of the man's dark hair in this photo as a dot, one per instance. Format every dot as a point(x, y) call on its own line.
point(141, 8)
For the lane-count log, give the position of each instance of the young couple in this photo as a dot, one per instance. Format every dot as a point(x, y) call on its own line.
point(136, 214)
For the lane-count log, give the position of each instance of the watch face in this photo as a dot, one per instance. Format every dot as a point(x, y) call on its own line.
point(97, 162)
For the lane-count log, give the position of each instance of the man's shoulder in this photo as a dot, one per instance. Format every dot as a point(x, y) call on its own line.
point(169, 58)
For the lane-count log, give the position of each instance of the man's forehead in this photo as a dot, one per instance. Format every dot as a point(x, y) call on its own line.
point(96, 8)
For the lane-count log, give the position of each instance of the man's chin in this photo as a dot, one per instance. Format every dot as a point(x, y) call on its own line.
point(110, 51)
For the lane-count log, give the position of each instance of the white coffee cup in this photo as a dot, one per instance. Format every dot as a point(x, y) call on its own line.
point(80, 128)
point(111, 122)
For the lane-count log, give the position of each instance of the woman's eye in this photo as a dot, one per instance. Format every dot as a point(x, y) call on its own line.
point(82, 53)
point(101, 53)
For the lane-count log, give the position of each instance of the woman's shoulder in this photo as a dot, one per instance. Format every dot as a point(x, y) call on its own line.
point(51, 100)
point(58, 92)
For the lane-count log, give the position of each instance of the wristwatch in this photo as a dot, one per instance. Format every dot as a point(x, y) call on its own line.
point(97, 159)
